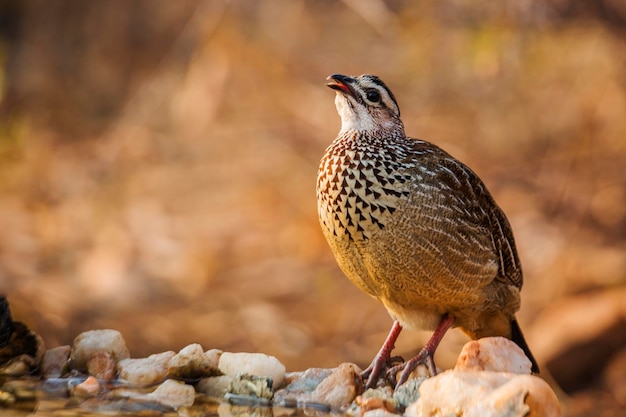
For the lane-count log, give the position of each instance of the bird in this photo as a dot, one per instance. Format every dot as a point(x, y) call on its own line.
point(416, 229)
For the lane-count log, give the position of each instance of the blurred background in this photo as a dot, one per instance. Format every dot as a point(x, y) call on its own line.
point(158, 163)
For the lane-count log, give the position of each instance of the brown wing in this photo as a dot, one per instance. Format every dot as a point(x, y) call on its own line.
point(476, 206)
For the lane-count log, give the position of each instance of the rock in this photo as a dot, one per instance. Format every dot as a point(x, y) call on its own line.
point(298, 384)
point(145, 371)
point(54, 362)
point(102, 366)
point(496, 354)
point(251, 386)
point(212, 358)
point(214, 386)
point(90, 387)
point(338, 389)
point(258, 364)
point(408, 393)
point(320, 388)
point(192, 363)
point(376, 398)
point(88, 343)
point(174, 394)
point(484, 394)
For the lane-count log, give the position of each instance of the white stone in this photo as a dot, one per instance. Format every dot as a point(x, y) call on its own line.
point(174, 394)
point(484, 394)
point(212, 358)
point(188, 354)
point(88, 343)
point(496, 354)
point(145, 371)
point(258, 364)
point(215, 386)
point(192, 363)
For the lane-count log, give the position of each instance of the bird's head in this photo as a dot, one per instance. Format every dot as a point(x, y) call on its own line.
point(365, 103)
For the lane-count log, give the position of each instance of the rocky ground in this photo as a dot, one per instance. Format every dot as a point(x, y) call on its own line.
point(96, 375)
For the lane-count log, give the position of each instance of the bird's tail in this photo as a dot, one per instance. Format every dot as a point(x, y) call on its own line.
point(518, 337)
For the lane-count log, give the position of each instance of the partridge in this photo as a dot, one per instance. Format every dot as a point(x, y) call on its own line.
point(415, 228)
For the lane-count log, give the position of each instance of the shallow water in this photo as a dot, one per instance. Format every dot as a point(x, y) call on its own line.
point(32, 397)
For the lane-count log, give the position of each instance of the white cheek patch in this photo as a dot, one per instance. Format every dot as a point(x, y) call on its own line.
point(354, 116)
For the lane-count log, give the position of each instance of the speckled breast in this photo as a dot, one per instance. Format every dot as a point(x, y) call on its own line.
point(359, 186)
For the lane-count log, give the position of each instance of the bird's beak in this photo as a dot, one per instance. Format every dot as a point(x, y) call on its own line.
point(340, 83)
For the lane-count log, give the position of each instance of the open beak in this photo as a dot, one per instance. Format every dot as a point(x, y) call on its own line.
point(340, 83)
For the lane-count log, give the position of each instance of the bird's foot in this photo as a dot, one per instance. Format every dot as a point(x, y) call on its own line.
point(425, 357)
point(383, 360)
point(380, 367)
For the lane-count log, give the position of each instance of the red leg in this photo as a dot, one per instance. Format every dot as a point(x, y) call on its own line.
point(379, 364)
point(428, 351)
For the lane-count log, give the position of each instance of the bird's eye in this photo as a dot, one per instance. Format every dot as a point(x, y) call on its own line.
point(373, 96)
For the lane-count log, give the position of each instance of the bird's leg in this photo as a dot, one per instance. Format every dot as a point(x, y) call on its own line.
point(426, 354)
point(379, 364)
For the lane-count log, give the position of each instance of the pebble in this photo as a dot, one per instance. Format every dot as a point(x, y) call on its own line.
point(376, 398)
point(174, 394)
point(251, 386)
point(88, 343)
point(212, 358)
point(339, 388)
point(214, 386)
point(496, 354)
point(88, 388)
point(258, 364)
point(408, 393)
point(54, 362)
point(297, 384)
point(192, 363)
point(145, 371)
